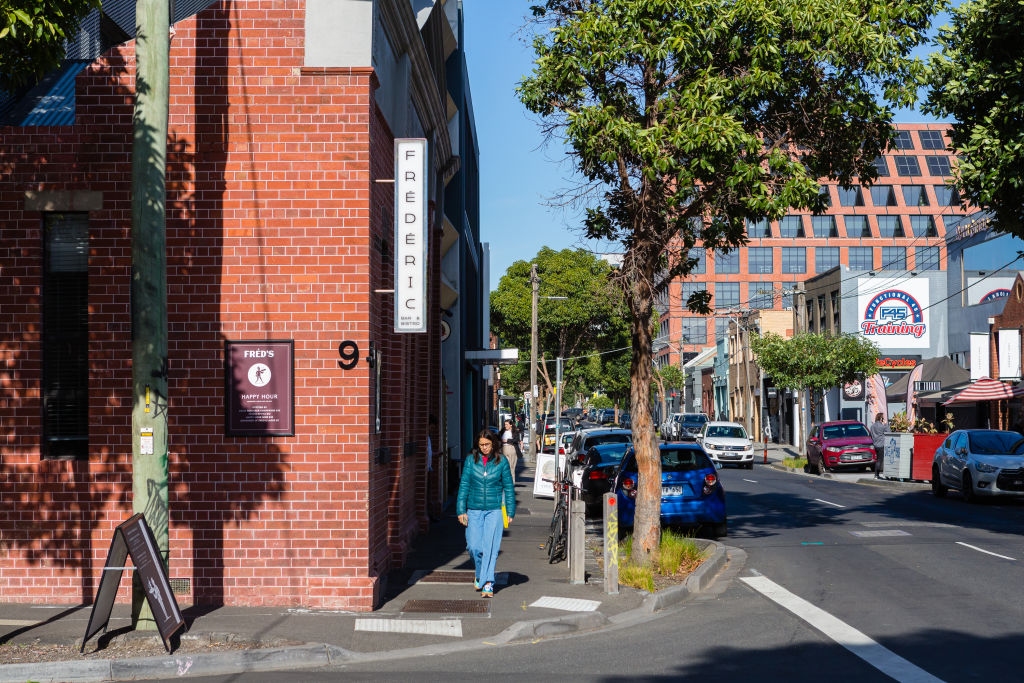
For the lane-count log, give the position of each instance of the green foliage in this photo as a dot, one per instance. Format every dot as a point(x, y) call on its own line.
point(795, 463)
point(601, 401)
point(32, 37)
point(978, 79)
point(672, 376)
point(814, 361)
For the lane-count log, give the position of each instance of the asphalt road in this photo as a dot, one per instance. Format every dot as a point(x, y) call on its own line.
point(831, 581)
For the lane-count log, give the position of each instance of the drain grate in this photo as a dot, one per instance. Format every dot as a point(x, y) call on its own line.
point(447, 606)
point(455, 576)
point(181, 586)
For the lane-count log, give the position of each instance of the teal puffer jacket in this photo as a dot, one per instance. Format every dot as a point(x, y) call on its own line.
point(483, 486)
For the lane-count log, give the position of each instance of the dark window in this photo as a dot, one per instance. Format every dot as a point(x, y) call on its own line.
point(850, 196)
point(903, 140)
point(923, 226)
point(824, 226)
point(931, 139)
point(894, 258)
point(882, 195)
point(823, 192)
point(926, 258)
point(684, 460)
point(700, 255)
point(759, 259)
point(907, 166)
point(862, 258)
point(881, 166)
point(825, 258)
point(794, 260)
point(890, 226)
point(65, 335)
point(938, 165)
point(791, 226)
point(761, 295)
point(758, 229)
point(694, 331)
point(857, 226)
point(727, 294)
point(727, 263)
point(914, 195)
point(946, 195)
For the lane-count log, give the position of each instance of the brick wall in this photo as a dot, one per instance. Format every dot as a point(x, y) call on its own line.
point(273, 232)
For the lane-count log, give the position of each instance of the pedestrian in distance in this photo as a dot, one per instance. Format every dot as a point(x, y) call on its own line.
point(508, 447)
point(877, 431)
point(486, 482)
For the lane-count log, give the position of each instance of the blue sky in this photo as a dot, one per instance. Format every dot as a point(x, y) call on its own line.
point(517, 172)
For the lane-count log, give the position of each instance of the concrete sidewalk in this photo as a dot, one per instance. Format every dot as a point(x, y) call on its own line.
point(431, 607)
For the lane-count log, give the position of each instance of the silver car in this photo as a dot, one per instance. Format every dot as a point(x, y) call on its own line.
point(980, 462)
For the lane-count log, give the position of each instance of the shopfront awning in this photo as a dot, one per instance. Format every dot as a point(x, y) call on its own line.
point(986, 389)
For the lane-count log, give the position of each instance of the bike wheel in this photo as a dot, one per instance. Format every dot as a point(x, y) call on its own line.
point(558, 535)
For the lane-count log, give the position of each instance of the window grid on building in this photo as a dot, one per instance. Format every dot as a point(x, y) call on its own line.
point(688, 289)
point(701, 256)
point(927, 258)
point(759, 229)
point(850, 196)
point(727, 294)
point(825, 258)
point(914, 195)
point(938, 165)
point(881, 166)
point(794, 259)
point(894, 258)
point(923, 226)
point(727, 263)
point(759, 259)
point(694, 331)
point(882, 195)
point(761, 295)
point(903, 140)
point(931, 139)
point(824, 226)
point(946, 195)
point(907, 166)
point(857, 226)
point(890, 226)
point(721, 328)
point(791, 226)
point(862, 258)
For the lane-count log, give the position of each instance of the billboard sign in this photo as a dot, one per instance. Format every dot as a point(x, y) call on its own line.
point(260, 388)
point(894, 314)
point(411, 187)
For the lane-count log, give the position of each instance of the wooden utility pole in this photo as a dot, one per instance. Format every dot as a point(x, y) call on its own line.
point(149, 282)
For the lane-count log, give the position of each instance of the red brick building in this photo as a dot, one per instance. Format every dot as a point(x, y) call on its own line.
point(276, 229)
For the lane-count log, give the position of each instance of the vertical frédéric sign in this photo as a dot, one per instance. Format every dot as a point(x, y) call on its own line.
point(411, 187)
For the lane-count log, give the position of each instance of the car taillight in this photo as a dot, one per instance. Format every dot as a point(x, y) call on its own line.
point(629, 487)
point(561, 451)
point(709, 483)
point(598, 474)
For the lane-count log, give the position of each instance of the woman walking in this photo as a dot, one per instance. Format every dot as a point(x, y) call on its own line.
point(508, 447)
point(486, 481)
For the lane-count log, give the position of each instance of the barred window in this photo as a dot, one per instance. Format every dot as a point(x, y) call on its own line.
point(882, 195)
point(931, 139)
point(914, 195)
point(727, 262)
point(890, 226)
point(824, 226)
point(862, 258)
point(894, 258)
point(946, 195)
point(794, 259)
point(926, 258)
point(727, 294)
point(907, 166)
point(825, 258)
point(923, 226)
point(791, 226)
point(759, 229)
point(938, 165)
point(694, 331)
point(850, 196)
point(857, 226)
point(759, 259)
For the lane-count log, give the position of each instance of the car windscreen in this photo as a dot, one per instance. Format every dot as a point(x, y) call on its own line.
point(994, 443)
point(597, 439)
point(683, 460)
point(727, 432)
point(698, 417)
point(607, 454)
point(843, 431)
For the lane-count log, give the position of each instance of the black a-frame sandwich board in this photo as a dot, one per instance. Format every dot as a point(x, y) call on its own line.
point(134, 537)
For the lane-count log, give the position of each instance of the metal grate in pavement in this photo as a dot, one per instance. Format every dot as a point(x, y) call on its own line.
point(447, 606)
point(446, 576)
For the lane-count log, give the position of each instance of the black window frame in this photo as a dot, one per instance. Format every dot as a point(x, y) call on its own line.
point(938, 165)
point(786, 222)
point(789, 258)
point(720, 290)
point(927, 138)
point(700, 254)
point(831, 262)
point(890, 199)
point(756, 262)
point(907, 166)
point(902, 140)
point(727, 263)
point(825, 223)
point(927, 258)
point(863, 226)
point(922, 196)
point(889, 262)
point(855, 258)
point(899, 233)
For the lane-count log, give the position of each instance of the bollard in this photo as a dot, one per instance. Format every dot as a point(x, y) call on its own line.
point(766, 450)
point(611, 544)
point(577, 541)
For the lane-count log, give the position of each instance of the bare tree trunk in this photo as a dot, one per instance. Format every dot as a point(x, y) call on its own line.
point(647, 519)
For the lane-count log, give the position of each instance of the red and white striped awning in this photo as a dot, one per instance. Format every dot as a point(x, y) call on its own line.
point(986, 389)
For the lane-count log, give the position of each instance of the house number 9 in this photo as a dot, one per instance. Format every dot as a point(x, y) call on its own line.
point(349, 352)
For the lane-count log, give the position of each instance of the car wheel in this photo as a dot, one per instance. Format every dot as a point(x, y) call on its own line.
point(938, 489)
point(721, 530)
point(750, 465)
point(967, 489)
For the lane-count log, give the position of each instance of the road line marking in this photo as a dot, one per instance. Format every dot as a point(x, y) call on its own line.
point(18, 622)
point(879, 533)
point(752, 481)
point(567, 604)
point(883, 659)
point(435, 627)
point(987, 552)
point(828, 503)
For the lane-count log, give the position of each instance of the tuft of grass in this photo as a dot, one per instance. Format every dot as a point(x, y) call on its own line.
point(797, 463)
point(678, 553)
point(637, 577)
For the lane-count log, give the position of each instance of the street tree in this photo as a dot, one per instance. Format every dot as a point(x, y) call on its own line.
point(33, 34)
point(814, 362)
point(665, 379)
point(977, 78)
point(686, 118)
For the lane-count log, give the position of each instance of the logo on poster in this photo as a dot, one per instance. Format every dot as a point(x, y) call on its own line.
point(894, 313)
point(259, 375)
point(995, 294)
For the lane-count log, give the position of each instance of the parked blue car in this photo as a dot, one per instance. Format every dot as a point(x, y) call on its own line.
point(691, 493)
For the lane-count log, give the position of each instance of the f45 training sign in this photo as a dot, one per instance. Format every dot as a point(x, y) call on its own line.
point(894, 314)
point(411, 187)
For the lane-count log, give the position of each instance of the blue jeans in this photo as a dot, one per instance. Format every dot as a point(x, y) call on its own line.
point(483, 541)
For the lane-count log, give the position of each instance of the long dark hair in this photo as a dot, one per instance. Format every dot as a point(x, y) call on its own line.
point(495, 445)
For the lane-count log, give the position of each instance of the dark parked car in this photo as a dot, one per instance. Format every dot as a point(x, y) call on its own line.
point(625, 421)
point(691, 425)
point(598, 467)
point(843, 444)
point(691, 493)
point(606, 416)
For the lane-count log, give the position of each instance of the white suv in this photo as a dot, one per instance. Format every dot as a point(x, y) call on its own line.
point(727, 443)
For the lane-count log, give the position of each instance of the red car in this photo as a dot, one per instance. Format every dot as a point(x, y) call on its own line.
point(843, 444)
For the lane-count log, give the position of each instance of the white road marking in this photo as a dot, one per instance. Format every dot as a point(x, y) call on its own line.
point(433, 627)
point(879, 533)
point(17, 622)
point(568, 604)
point(828, 503)
point(987, 552)
point(883, 659)
point(752, 481)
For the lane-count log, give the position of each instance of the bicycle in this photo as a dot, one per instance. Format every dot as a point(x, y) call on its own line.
point(558, 534)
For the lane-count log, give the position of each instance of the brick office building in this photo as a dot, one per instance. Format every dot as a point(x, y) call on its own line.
point(282, 119)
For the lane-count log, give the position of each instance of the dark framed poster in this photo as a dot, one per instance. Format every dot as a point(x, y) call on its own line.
point(259, 387)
